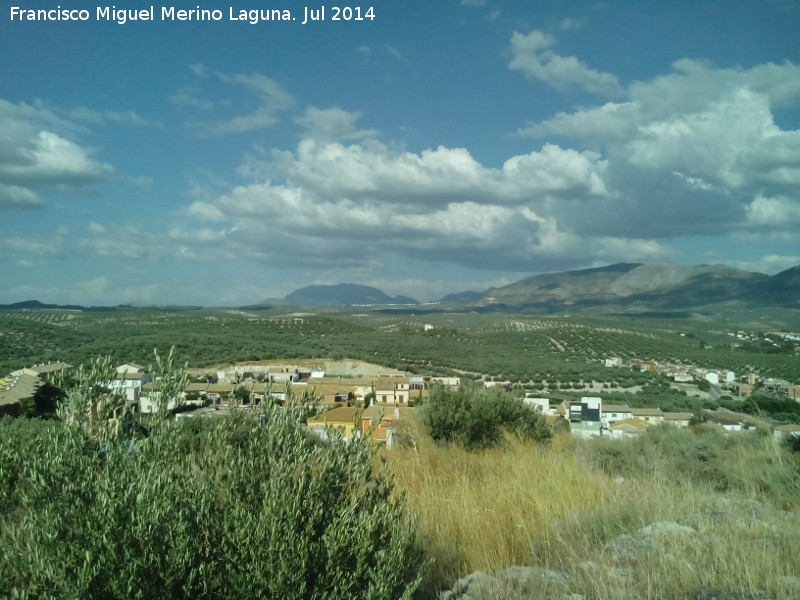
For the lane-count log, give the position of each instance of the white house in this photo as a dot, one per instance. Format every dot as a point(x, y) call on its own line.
point(611, 413)
point(728, 424)
point(128, 380)
point(584, 416)
point(543, 404)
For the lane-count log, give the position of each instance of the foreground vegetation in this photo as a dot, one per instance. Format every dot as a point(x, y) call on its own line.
point(561, 510)
point(252, 506)
point(237, 507)
point(94, 506)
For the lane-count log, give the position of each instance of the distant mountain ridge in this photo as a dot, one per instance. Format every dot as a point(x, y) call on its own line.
point(342, 294)
point(37, 305)
point(624, 288)
point(635, 287)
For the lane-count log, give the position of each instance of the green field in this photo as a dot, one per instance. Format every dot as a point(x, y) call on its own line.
point(535, 351)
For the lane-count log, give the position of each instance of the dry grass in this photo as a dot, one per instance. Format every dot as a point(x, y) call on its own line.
point(519, 505)
point(480, 511)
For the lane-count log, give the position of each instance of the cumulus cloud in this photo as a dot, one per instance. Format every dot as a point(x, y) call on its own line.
point(534, 56)
point(345, 205)
point(260, 107)
point(36, 153)
point(769, 264)
point(695, 151)
point(332, 124)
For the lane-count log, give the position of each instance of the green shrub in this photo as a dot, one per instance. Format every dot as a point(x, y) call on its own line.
point(235, 507)
point(477, 417)
point(703, 456)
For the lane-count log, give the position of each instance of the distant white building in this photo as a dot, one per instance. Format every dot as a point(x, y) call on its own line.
point(611, 413)
point(712, 377)
point(614, 361)
point(585, 416)
point(128, 380)
point(728, 424)
point(543, 404)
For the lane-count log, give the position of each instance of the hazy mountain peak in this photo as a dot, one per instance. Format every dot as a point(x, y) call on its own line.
point(343, 294)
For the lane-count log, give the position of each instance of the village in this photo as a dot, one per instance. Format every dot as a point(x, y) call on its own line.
point(357, 401)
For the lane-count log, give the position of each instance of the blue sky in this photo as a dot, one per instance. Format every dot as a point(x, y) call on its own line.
point(441, 146)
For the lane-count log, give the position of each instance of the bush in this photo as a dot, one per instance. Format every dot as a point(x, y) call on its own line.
point(703, 456)
point(477, 418)
point(234, 507)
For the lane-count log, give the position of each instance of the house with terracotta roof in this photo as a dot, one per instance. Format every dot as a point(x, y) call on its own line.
point(345, 419)
point(611, 413)
point(383, 423)
point(679, 419)
point(391, 390)
point(628, 427)
point(652, 416)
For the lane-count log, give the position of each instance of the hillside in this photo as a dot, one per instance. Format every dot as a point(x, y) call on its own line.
point(639, 288)
point(342, 294)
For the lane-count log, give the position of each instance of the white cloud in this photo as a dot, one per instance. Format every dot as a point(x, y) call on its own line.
point(264, 101)
point(570, 24)
point(14, 196)
point(48, 159)
point(32, 245)
point(532, 54)
point(36, 154)
point(350, 204)
point(769, 264)
point(128, 117)
point(776, 212)
point(696, 151)
point(332, 124)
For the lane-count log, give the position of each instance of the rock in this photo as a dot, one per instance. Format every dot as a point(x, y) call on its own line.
point(516, 582)
point(665, 528)
point(709, 593)
point(751, 510)
point(477, 586)
point(625, 547)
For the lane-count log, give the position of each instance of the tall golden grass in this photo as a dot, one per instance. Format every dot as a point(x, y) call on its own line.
point(524, 505)
point(480, 510)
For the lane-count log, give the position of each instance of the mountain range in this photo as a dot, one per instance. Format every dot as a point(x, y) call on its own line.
point(634, 287)
point(628, 288)
point(625, 288)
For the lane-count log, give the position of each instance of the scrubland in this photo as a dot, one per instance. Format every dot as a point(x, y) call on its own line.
point(562, 508)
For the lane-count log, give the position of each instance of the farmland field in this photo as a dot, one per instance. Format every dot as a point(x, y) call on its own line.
point(532, 350)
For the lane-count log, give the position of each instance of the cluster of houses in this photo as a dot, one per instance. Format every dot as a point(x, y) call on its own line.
point(724, 378)
point(341, 400)
point(23, 383)
point(589, 417)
